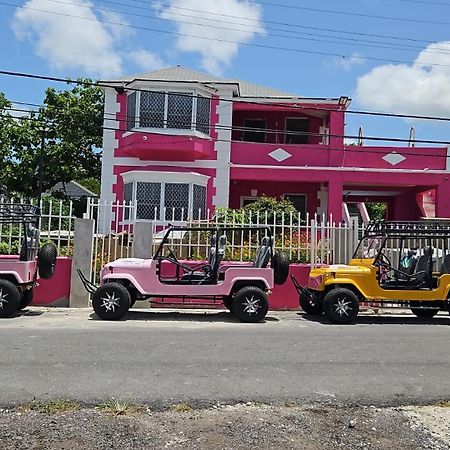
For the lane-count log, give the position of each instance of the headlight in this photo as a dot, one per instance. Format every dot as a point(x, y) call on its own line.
point(315, 282)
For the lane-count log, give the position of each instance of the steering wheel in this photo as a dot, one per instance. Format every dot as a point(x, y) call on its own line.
point(385, 261)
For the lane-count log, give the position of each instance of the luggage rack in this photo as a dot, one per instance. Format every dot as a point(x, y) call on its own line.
point(19, 213)
point(399, 229)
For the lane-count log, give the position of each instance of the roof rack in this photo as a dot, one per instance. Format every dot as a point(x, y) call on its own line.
point(19, 213)
point(408, 228)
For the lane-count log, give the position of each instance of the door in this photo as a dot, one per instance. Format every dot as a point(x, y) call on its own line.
point(299, 201)
point(296, 130)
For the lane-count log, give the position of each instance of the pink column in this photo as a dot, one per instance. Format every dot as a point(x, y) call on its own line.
point(443, 199)
point(337, 122)
point(334, 204)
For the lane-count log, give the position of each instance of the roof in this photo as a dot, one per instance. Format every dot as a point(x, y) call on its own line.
point(183, 74)
point(73, 190)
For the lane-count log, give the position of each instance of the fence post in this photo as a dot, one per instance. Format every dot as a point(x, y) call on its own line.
point(83, 243)
point(143, 239)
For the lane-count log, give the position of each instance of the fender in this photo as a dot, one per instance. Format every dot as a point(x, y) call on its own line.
point(124, 276)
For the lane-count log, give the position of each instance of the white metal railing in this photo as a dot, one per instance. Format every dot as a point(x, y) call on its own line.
point(56, 225)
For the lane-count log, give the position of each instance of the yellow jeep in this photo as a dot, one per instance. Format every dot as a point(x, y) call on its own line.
point(396, 264)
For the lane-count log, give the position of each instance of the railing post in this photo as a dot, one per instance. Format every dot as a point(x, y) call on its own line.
point(83, 243)
point(143, 239)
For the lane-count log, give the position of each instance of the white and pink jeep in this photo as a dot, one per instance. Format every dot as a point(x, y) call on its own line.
point(19, 273)
point(242, 288)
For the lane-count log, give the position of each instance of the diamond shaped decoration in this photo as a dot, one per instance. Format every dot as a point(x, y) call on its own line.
point(280, 155)
point(394, 158)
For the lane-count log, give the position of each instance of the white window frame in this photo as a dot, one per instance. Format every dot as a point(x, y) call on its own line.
point(246, 197)
point(165, 130)
point(191, 178)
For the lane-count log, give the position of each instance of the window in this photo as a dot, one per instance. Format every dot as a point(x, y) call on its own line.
point(131, 111)
point(165, 196)
point(127, 198)
point(148, 200)
point(168, 110)
point(151, 108)
point(176, 201)
point(297, 130)
point(299, 201)
point(254, 130)
point(199, 202)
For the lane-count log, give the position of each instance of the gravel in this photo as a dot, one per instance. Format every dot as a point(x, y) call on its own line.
point(241, 426)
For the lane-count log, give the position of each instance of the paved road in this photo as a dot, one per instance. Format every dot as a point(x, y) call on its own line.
point(166, 357)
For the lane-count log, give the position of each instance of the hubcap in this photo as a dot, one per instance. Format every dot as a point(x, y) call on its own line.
point(3, 300)
point(110, 302)
point(251, 305)
point(342, 307)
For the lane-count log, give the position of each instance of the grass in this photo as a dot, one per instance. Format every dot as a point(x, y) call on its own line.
point(117, 408)
point(181, 407)
point(52, 406)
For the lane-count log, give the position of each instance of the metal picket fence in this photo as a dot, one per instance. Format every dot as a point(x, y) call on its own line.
point(56, 225)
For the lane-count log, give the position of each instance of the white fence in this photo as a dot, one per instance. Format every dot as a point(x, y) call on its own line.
point(56, 224)
point(311, 239)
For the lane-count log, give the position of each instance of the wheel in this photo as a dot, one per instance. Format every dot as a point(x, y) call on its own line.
point(341, 305)
point(111, 301)
point(310, 305)
point(424, 313)
point(250, 304)
point(47, 260)
point(280, 264)
point(25, 299)
point(9, 298)
point(228, 303)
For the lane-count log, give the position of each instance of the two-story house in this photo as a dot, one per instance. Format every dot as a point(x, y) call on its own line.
point(179, 142)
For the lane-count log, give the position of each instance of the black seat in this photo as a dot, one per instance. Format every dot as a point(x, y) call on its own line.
point(217, 259)
point(263, 253)
point(423, 268)
point(408, 263)
point(445, 267)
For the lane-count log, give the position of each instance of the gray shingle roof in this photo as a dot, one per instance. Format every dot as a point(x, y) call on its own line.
point(73, 190)
point(179, 73)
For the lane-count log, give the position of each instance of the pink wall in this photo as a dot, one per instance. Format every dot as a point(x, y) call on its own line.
point(55, 291)
point(244, 188)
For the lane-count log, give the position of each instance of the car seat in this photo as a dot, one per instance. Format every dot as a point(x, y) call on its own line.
point(409, 262)
point(217, 258)
point(423, 268)
point(263, 253)
point(445, 267)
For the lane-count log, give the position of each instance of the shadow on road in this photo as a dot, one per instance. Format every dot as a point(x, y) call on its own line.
point(24, 313)
point(383, 319)
point(183, 316)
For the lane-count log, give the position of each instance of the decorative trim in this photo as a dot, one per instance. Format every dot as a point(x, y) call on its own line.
point(165, 177)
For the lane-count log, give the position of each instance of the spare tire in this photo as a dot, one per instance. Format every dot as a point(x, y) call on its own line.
point(47, 260)
point(280, 265)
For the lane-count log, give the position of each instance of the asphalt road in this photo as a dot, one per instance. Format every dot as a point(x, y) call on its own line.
point(165, 357)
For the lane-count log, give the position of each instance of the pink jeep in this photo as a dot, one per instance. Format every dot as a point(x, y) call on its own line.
point(19, 274)
point(243, 289)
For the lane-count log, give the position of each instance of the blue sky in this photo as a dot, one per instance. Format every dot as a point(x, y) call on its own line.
point(61, 45)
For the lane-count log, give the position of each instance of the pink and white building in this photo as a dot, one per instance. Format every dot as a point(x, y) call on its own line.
point(190, 141)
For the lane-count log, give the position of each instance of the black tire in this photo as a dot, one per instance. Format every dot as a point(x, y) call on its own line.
point(111, 301)
point(341, 305)
point(250, 304)
point(228, 303)
point(47, 260)
point(25, 299)
point(9, 298)
point(280, 265)
point(424, 313)
point(310, 306)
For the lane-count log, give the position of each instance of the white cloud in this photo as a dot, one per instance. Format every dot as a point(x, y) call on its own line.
point(348, 62)
point(419, 88)
point(146, 60)
point(66, 41)
point(215, 54)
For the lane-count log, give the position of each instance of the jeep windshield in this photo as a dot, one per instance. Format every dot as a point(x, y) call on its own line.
point(369, 247)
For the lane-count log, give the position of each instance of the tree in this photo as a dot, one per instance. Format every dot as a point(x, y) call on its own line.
point(72, 120)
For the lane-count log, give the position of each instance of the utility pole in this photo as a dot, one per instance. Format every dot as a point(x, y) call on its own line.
point(41, 164)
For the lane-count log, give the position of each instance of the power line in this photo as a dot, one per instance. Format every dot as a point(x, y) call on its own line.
point(423, 2)
point(249, 44)
point(289, 106)
point(125, 118)
point(294, 34)
point(285, 24)
point(349, 13)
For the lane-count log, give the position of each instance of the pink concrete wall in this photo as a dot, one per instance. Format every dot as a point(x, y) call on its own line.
point(55, 291)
